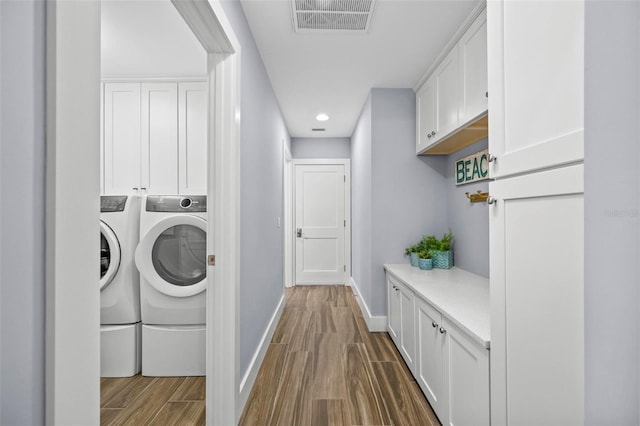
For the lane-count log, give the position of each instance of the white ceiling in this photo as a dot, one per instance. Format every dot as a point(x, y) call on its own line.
point(333, 73)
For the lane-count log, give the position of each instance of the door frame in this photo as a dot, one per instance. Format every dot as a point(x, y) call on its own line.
point(346, 162)
point(72, 346)
point(287, 223)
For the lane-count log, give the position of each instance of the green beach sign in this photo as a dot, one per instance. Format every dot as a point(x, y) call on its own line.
point(472, 168)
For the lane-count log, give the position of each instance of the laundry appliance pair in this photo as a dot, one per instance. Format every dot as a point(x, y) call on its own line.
point(163, 331)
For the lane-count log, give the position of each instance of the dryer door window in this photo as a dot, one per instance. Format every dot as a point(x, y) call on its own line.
point(179, 255)
point(105, 256)
point(109, 255)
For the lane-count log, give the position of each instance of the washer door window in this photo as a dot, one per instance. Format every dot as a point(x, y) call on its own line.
point(172, 256)
point(109, 255)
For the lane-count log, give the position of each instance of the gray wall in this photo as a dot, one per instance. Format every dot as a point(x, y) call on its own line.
point(612, 212)
point(361, 203)
point(22, 191)
point(469, 222)
point(261, 203)
point(321, 147)
point(408, 198)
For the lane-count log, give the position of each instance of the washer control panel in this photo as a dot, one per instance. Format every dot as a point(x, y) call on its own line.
point(112, 203)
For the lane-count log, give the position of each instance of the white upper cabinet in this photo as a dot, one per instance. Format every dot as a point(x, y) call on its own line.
point(451, 104)
point(192, 137)
point(154, 138)
point(121, 146)
point(427, 120)
point(536, 73)
point(472, 61)
point(159, 138)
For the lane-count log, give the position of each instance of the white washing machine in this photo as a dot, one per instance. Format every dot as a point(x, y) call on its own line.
point(120, 328)
point(171, 258)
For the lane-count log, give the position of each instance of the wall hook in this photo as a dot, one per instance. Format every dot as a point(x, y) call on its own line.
point(480, 197)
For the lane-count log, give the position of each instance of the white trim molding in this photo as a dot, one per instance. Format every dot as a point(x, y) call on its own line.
point(258, 357)
point(374, 323)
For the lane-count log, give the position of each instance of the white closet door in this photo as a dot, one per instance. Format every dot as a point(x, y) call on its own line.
point(472, 60)
point(536, 84)
point(192, 140)
point(121, 138)
point(160, 138)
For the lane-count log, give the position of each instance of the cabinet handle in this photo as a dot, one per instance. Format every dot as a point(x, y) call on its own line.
point(486, 94)
point(442, 330)
point(434, 324)
point(491, 201)
point(491, 158)
point(135, 189)
point(429, 136)
point(433, 133)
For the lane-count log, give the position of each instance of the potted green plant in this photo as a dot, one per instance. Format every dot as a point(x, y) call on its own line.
point(443, 254)
point(425, 261)
point(412, 252)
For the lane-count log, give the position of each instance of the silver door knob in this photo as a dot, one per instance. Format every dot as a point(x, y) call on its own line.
point(491, 201)
point(442, 330)
point(434, 324)
point(299, 232)
point(491, 158)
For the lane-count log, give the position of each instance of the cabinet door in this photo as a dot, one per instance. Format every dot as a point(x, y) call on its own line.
point(393, 310)
point(192, 137)
point(536, 269)
point(430, 357)
point(447, 82)
point(426, 107)
point(472, 62)
point(467, 364)
point(536, 84)
point(160, 138)
point(407, 326)
point(121, 138)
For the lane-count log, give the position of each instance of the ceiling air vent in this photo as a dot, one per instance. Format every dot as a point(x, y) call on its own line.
point(352, 16)
point(317, 130)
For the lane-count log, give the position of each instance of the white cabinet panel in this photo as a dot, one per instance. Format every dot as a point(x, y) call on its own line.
point(430, 358)
point(467, 365)
point(121, 146)
point(537, 300)
point(536, 85)
point(447, 83)
point(192, 138)
point(472, 58)
point(427, 122)
point(407, 326)
point(393, 311)
point(160, 138)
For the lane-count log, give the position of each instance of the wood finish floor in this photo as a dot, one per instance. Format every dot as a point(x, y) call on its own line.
point(161, 401)
point(323, 367)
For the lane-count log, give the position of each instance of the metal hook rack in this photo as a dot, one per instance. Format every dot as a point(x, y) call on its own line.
point(479, 197)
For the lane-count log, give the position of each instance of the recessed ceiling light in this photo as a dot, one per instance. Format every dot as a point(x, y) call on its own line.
point(322, 117)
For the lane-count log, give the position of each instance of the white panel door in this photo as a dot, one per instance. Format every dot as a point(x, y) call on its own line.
point(160, 138)
point(121, 145)
point(448, 87)
point(320, 224)
point(407, 326)
point(537, 298)
point(472, 60)
point(192, 138)
point(430, 358)
point(427, 123)
point(393, 309)
point(536, 84)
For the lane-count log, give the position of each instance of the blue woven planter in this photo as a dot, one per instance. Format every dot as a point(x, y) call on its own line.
point(426, 264)
point(443, 259)
point(414, 259)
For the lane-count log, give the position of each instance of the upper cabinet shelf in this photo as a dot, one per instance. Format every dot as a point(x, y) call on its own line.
point(452, 104)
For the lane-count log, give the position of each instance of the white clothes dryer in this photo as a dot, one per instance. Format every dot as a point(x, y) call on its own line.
point(171, 258)
point(120, 329)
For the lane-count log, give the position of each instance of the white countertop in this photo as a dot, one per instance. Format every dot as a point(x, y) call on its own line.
point(459, 295)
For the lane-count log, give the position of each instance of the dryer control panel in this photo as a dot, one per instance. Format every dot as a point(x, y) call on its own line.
point(176, 203)
point(112, 203)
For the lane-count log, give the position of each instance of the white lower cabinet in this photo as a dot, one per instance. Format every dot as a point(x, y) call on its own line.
point(451, 368)
point(401, 325)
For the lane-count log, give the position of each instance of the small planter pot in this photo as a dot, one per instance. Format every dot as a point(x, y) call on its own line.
point(414, 259)
point(425, 264)
point(443, 259)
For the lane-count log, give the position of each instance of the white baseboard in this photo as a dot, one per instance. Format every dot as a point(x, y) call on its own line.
point(252, 372)
point(377, 323)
